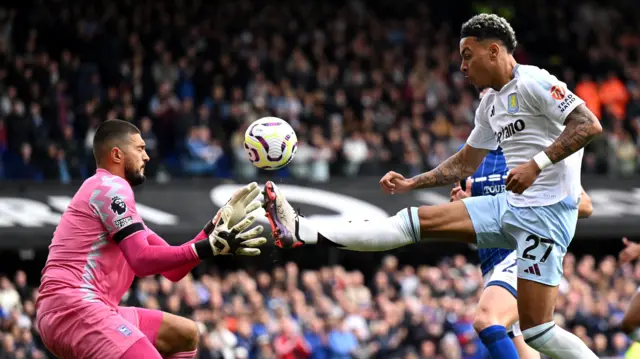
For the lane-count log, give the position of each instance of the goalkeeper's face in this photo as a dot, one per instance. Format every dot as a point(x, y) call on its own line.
point(136, 159)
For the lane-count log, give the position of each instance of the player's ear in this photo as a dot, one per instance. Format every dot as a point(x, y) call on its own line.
point(494, 50)
point(116, 155)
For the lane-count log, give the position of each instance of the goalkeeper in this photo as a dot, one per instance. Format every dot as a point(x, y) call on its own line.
point(101, 243)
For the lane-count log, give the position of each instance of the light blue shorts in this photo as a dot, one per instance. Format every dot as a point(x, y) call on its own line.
point(540, 235)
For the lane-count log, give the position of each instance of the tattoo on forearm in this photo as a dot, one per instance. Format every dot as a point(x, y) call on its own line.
point(448, 172)
point(579, 131)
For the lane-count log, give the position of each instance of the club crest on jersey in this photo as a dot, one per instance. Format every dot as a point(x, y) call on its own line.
point(512, 103)
point(118, 206)
point(124, 330)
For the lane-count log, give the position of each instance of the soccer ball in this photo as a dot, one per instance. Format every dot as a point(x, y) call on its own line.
point(270, 143)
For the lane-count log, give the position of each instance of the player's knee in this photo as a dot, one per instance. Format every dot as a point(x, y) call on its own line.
point(532, 321)
point(484, 318)
point(430, 218)
point(182, 336)
point(191, 337)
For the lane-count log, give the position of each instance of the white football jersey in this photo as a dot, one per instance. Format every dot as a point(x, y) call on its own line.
point(525, 117)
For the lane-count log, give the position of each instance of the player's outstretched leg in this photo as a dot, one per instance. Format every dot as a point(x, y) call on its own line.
point(631, 321)
point(410, 225)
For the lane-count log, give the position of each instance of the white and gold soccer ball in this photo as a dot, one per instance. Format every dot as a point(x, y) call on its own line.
point(270, 143)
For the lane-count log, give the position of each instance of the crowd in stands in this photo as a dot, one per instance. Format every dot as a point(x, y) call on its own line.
point(367, 86)
point(402, 312)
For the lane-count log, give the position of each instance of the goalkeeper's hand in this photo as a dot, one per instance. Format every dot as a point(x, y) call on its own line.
point(235, 240)
point(226, 231)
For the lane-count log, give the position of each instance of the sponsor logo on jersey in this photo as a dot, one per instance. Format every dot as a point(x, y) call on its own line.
point(558, 92)
point(123, 222)
point(512, 103)
point(564, 105)
point(492, 190)
point(509, 130)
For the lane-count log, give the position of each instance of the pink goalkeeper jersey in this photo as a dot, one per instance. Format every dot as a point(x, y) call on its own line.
point(85, 264)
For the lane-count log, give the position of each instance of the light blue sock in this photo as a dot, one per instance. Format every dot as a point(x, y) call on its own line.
point(498, 343)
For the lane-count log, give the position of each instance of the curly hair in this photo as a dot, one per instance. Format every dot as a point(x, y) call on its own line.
point(490, 26)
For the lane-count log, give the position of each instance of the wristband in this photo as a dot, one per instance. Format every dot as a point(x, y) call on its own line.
point(542, 160)
point(203, 249)
point(209, 227)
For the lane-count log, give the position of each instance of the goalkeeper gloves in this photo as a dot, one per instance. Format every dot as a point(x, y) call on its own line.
point(226, 231)
point(235, 240)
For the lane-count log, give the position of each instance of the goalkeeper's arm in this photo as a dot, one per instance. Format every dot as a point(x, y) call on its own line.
point(146, 259)
point(148, 254)
point(177, 274)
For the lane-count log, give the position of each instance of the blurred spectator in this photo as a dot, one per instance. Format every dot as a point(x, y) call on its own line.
point(73, 154)
point(316, 338)
point(289, 344)
point(22, 166)
point(587, 89)
point(204, 152)
point(614, 95)
point(151, 142)
point(342, 343)
point(356, 152)
point(55, 165)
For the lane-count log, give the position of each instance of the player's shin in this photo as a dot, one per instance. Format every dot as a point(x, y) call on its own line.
point(556, 342)
point(498, 343)
point(364, 235)
point(496, 310)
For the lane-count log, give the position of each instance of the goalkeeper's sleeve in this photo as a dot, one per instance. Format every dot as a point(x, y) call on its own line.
point(177, 274)
point(146, 259)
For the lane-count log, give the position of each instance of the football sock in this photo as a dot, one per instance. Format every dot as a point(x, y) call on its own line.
point(556, 342)
point(498, 343)
point(364, 235)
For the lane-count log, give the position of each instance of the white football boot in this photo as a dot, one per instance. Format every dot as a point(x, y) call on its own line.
point(282, 217)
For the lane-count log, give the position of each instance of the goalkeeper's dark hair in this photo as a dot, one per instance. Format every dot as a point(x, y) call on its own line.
point(112, 133)
point(490, 26)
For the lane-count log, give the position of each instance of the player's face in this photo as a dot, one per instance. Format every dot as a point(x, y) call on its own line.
point(136, 159)
point(476, 62)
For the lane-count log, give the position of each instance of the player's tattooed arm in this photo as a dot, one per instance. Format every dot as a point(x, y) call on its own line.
point(457, 167)
point(582, 126)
